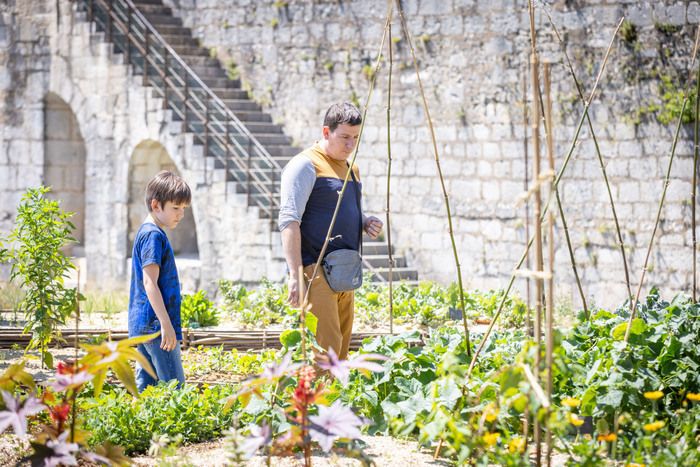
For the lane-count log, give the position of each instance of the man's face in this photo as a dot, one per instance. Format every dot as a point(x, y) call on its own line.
point(169, 215)
point(342, 141)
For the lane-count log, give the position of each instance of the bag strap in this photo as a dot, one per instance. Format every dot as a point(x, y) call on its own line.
point(316, 252)
point(359, 206)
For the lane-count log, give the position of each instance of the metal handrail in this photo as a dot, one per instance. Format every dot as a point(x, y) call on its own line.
point(204, 107)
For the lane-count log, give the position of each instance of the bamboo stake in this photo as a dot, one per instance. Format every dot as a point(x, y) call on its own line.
point(549, 319)
point(696, 133)
point(526, 183)
point(302, 315)
point(667, 181)
point(553, 188)
point(536, 170)
point(388, 186)
point(567, 237)
point(602, 164)
point(407, 34)
point(353, 158)
point(74, 410)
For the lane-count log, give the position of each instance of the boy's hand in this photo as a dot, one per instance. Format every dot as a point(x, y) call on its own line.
point(168, 339)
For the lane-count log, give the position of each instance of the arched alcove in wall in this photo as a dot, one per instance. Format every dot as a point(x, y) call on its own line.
point(64, 163)
point(148, 158)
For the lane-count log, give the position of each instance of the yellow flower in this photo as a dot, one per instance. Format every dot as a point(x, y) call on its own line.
point(491, 438)
point(571, 402)
point(634, 464)
point(693, 396)
point(653, 395)
point(575, 420)
point(654, 426)
point(517, 444)
point(491, 412)
point(609, 437)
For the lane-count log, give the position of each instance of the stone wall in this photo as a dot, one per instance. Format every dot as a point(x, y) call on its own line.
point(299, 56)
point(296, 57)
point(49, 49)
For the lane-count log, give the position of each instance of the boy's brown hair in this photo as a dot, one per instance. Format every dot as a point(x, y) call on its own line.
point(166, 186)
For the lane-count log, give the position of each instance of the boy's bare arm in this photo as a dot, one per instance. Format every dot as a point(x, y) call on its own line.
point(150, 282)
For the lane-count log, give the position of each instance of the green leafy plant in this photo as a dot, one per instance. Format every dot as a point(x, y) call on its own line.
point(41, 232)
point(193, 413)
point(262, 306)
point(60, 438)
point(198, 311)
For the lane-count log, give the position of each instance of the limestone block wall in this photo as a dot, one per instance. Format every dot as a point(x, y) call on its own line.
point(48, 49)
point(297, 57)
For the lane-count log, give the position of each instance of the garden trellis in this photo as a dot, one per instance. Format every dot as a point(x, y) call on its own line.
point(542, 179)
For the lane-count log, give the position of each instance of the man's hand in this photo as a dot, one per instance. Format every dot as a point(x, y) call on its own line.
point(168, 339)
point(373, 226)
point(293, 291)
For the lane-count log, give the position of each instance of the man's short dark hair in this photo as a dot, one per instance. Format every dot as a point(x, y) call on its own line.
point(340, 114)
point(166, 186)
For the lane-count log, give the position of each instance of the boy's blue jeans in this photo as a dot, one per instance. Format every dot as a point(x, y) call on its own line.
point(167, 365)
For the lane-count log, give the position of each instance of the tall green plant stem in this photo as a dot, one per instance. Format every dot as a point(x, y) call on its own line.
point(352, 159)
point(549, 309)
point(667, 181)
point(407, 34)
point(696, 150)
point(388, 186)
point(601, 162)
point(553, 188)
point(536, 171)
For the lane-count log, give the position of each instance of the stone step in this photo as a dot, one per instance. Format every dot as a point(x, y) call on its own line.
point(177, 39)
point(264, 139)
point(189, 51)
point(397, 274)
point(158, 9)
point(147, 2)
point(162, 19)
point(375, 248)
point(200, 61)
point(207, 72)
point(173, 30)
point(230, 93)
point(382, 261)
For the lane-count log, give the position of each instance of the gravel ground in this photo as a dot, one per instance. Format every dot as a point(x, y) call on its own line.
point(384, 450)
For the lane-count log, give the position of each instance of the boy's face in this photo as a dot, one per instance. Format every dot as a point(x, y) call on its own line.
point(168, 215)
point(342, 141)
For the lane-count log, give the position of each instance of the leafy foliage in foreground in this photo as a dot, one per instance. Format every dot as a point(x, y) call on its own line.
point(641, 397)
point(195, 414)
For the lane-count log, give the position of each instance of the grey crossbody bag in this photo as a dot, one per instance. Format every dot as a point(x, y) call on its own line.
point(343, 268)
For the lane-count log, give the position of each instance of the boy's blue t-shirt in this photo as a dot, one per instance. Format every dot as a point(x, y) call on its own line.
point(151, 246)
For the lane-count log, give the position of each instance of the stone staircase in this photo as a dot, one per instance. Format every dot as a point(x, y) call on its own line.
point(250, 114)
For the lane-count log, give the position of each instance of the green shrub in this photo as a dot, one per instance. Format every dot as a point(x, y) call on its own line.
point(39, 265)
point(195, 414)
point(259, 307)
point(198, 311)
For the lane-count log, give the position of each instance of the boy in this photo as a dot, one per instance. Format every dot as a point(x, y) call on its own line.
point(154, 299)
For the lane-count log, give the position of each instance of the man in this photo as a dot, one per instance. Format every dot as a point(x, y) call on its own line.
point(311, 183)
